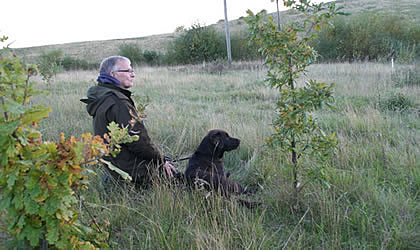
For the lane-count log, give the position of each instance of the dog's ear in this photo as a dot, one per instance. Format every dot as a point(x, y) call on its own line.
point(216, 139)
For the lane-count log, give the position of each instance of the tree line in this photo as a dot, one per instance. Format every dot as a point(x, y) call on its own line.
point(368, 36)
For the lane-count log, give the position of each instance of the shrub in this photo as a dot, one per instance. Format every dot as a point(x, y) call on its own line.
point(242, 49)
point(49, 64)
point(396, 102)
point(71, 63)
point(132, 52)
point(196, 45)
point(370, 36)
point(152, 57)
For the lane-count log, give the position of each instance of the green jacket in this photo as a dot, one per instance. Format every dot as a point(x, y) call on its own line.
point(107, 103)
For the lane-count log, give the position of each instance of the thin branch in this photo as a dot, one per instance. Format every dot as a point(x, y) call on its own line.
point(25, 93)
point(6, 116)
point(89, 213)
point(93, 160)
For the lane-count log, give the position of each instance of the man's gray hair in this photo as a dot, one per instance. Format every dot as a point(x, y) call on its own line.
point(109, 64)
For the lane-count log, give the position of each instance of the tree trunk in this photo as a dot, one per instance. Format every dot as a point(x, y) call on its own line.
point(229, 54)
point(293, 143)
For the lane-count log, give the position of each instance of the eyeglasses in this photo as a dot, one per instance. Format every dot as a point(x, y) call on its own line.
point(125, 70)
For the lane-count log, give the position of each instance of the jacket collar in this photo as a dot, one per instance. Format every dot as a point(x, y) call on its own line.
point(126, 92)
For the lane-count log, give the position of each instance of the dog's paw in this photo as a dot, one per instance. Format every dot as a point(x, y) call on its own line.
point(201, 184)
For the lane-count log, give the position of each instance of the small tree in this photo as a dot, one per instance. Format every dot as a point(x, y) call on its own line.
point(196, 45)
point(132, 52)
point(49, 64)
point(287, 54)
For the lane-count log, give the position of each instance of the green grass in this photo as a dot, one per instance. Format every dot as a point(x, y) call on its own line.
point(372, 200)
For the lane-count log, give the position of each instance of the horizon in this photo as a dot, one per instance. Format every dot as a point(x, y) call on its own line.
point(44, 23)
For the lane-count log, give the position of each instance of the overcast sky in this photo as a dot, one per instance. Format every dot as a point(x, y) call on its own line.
point(41, 22)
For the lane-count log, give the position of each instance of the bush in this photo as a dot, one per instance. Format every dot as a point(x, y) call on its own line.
point(132, 52)
point(70, 63)
point(196, 45)
point(49, 64)
point(370, 36)
point(242, 49)
point(396, 102)
point(137, 56)
point(152, 57)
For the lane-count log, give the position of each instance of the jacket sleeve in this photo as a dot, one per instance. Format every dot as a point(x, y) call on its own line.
point(144, 148)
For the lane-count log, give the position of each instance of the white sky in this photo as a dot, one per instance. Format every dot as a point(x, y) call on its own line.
point(41, 22)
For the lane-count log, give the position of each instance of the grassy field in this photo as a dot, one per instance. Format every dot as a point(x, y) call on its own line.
point(372, 200)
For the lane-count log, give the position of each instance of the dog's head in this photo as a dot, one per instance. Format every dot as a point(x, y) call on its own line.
point(218, 141)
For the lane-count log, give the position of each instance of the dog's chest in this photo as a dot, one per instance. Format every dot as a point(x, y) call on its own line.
point(213, 165)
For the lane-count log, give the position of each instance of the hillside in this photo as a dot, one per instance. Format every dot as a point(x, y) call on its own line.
point(94, 51)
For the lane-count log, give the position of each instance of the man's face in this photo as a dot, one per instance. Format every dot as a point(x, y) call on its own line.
point(124, 74)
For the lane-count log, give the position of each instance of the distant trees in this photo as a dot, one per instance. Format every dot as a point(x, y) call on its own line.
point(369, 36)
point(365, 36)
point(53, 61)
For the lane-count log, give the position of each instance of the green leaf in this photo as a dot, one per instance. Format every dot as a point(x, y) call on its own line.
point(35, 115)
point(123, 174)
point(8, 128)
point(12, 179)
point(53, 231)
point(31, 207)
point(51, 204)
point(13, 107)
point(52, 235)
point(5, 202)
point(33, 234)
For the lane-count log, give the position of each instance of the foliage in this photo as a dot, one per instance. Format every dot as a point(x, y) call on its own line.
point(137, 56)
point(39, 179)
point(370, 36)
point(71, 63)
point(152, 57)
point(132, 52)
point(396, 102)
point(197, 44)
point(49, 64)
point(287, 54)
point(242, 48)
point(179, 29)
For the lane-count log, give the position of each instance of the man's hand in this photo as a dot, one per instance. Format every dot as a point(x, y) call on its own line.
point(169, 169)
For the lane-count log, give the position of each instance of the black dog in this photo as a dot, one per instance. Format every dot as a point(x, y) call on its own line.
point(206, 164)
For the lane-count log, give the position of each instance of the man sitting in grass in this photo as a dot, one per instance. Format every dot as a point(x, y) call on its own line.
point(109, 101)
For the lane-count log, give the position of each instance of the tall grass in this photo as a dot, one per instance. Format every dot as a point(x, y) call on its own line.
point(371, 199)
